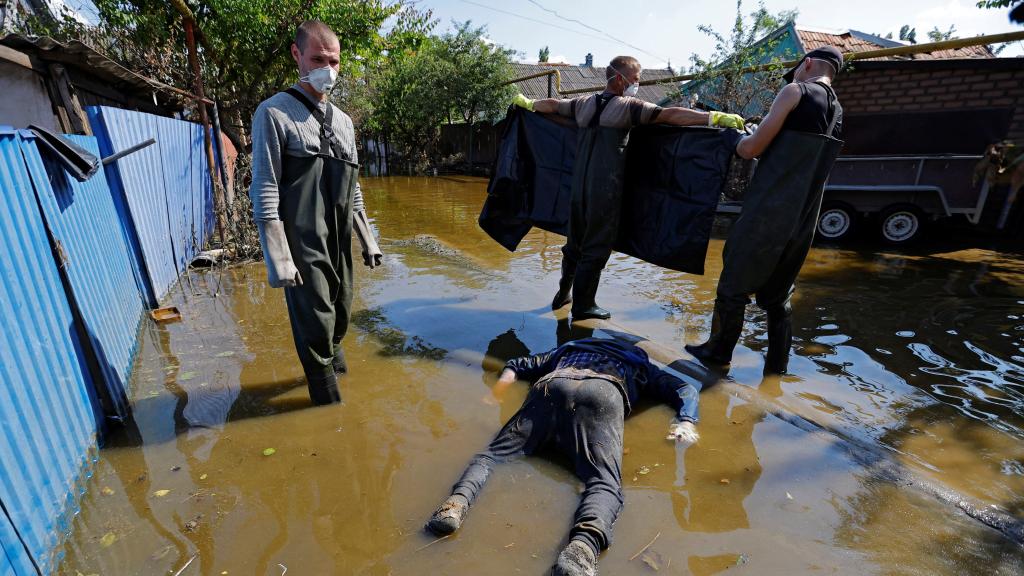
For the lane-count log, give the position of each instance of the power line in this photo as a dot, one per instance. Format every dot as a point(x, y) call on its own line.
point(605, 38)
point(598, 30)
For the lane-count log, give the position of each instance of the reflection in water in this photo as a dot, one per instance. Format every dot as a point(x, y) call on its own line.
point(919, 352)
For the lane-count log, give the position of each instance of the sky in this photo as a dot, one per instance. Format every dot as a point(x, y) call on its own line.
point(661, 31)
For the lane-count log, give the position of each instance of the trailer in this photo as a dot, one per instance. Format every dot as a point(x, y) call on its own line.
point(898, 195)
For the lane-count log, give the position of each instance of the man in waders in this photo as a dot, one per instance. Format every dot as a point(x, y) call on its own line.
point(582, 392)
point(306, 199)
point(797, 145)
point(597, 181)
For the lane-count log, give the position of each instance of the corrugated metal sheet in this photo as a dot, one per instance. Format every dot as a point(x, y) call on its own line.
point(165, 188)
point(46, 409)
point(82, 216)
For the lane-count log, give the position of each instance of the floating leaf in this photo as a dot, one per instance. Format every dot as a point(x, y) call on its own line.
point(643, 470)
point(161, 493)
point(107, 491)
point(203, 477)
point(789, 496)
point(225, 354)
point(186, 376)
point(269, 451)
point(724, 481)
point(108, 539)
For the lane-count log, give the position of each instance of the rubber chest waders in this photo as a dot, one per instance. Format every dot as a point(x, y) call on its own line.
point(597, 184)
point(316, 209)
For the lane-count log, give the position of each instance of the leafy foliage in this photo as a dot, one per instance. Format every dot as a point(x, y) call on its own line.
point(543, 54)
point(245, 44)
point(721, 82)
point(457, 76)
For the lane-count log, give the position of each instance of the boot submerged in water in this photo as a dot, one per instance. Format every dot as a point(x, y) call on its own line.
point(780, 341)
point(726, 326)
point(576, 559)
point(448, 516)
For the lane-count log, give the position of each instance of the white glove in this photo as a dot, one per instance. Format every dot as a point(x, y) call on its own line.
point(281, 270)
point(684, 432)
point(372, 255)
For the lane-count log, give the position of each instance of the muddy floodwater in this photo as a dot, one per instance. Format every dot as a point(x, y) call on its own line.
point(230, 467)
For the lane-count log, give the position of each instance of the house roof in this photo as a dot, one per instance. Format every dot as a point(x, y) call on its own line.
point(856, 41)
point(577, 77)
point(82, 56)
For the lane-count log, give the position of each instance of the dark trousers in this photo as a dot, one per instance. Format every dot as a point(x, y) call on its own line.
point(584, 419)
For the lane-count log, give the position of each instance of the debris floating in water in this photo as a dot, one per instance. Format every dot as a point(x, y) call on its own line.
point(161, 493)
point(269, 451)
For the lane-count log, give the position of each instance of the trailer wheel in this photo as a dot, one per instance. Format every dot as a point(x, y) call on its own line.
point(836, 221)
point(900, 224)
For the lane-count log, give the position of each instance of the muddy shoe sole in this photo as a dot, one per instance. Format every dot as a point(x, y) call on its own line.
point(447, 518)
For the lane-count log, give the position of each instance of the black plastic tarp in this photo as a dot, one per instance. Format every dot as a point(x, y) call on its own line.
point(674, 177)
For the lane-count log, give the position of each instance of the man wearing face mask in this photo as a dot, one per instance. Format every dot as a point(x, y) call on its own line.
point(306, 201)
point(604, 121)
point(796, 145)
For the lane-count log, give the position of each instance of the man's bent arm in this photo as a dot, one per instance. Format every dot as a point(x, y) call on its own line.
point(754, 145)
point(531, 367)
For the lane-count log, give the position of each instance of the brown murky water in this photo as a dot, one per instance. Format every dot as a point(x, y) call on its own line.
point(923, 354)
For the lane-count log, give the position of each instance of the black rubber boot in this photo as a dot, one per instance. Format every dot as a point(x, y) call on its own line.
point(726, 326)
point(584, 291)
point(780, 340)
point(338, 362)
point(576, 559)
point(323, 387)
point(564, 294)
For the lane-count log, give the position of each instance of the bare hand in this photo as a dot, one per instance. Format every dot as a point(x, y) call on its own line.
point(683, 432)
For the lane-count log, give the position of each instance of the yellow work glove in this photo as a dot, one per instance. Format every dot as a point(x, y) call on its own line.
point(723, 120)
point(523, 102)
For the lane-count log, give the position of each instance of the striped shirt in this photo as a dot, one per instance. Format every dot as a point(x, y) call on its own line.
point(283, 126)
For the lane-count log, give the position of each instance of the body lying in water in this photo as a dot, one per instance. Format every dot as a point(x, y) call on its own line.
point(581, 394)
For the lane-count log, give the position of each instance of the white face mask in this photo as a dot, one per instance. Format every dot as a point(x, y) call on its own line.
point(630, 90)
point(321, 79)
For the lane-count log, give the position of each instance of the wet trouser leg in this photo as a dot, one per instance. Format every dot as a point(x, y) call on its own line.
point(523, 434)
point(590, 422)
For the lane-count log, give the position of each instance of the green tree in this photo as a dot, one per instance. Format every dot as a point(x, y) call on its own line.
point(244, 44)
point(458, 75)
point(908, 34)
point(721, 82)
point(543, 55)
point(936, 35)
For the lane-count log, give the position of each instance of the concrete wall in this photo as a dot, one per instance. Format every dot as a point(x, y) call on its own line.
point(25, 100)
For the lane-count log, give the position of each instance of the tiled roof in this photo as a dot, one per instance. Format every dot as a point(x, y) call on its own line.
point(854, 41)
point(575, 77)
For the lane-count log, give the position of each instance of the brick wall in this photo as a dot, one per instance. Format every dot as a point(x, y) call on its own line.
point(873, 88)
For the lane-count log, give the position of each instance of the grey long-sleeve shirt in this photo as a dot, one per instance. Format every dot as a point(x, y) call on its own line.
point(282, 125)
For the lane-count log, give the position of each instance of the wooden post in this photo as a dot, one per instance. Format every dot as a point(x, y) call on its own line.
point(218, 192)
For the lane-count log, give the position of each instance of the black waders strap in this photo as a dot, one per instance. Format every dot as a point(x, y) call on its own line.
point(831, 107)
point(328, 142)
point(599, 105)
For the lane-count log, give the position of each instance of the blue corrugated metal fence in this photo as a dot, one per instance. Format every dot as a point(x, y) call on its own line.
point(97, 261)
point(165, 188)
point(80, 263)
point(46, 406)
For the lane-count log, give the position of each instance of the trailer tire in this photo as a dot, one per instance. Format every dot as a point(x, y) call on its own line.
point(900, 224)
point(837, 221)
